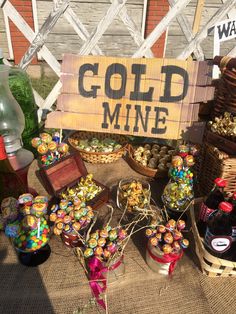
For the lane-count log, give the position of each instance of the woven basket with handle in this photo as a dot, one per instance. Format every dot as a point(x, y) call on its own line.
point(98, 157)
point(225, 94)
point(211, 266)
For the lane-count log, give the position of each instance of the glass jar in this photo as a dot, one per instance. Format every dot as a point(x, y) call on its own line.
point(133, 195)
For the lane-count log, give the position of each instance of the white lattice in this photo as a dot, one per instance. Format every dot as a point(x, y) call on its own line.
point(117, 8)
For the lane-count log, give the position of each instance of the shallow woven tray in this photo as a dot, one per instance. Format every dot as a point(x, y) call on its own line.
point(210, 265)
point(98, 157)
point(146, 171)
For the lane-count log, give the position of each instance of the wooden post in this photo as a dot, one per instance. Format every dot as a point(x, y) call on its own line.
point(187, 31)
point(222, 11)
point(197, 16)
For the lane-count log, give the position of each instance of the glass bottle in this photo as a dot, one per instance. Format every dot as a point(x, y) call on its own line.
point(218, 236)
point(214, 198)
point(10, 182)
point(21, 89)
point(11, 127)
point(11, 116)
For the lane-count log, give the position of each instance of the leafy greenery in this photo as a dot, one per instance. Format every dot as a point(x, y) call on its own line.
point(44, 85)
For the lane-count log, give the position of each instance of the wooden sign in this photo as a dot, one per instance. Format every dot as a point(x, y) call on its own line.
point(141, 97)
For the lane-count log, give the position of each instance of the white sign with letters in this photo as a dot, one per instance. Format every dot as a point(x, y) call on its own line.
point(224, 30)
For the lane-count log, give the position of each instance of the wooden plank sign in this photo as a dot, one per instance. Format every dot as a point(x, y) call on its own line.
point(141, 97)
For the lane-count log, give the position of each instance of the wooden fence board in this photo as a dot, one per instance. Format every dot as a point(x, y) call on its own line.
point(89, 14)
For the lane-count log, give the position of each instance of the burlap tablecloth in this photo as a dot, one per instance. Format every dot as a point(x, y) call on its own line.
point(60, 285)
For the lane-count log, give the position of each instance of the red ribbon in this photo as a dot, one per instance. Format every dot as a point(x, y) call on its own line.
point(98, 282)
point(167, 258)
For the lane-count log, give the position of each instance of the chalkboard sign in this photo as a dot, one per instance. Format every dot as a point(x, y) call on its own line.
point(141, 97)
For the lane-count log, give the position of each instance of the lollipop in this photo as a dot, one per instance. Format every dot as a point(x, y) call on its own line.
point(183, 150)
point(46, 138)
point(92, 243)
point(12, 230)
point(189, 160)
point(184, 243)
point(177, 161)
point(168, 238)
point(36, 141)
point(122, 234)
point(29, 222)
point(26, 199)
point(98, 251)
point(63, 148)
point(88, 253)
point(111, 247)
point(42, 149)
point(9, 209)
point(113, 235)
point(52, 146)
point(154, 241)
point(167, 249)
point(176, 246)
point(180, 224)
point(101, 242)
point(39, 209)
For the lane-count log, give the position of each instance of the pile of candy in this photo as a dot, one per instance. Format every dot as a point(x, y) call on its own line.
point(70, 217)
point(133, 194)
point(179, 191)
point(224, 125)
point(153, 156)
point(49, 147)
point(85, 190)
point(105, 243)
point(107, 145)
point(168, 238)
point(30, 230)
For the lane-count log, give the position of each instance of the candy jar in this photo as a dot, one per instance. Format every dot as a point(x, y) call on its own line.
point(133, 195)
point(178, 193)
point(32, 235)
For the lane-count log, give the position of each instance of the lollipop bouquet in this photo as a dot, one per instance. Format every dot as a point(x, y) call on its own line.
point(165, 246)
point(71, 219)
point(103, 254)
point(49, 148)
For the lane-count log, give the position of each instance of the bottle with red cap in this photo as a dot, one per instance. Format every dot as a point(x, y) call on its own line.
point(214, 198)
point(10, 182)
point(218, 236)
point(232, 200)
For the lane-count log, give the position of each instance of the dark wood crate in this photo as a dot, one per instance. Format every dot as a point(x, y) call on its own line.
point(221, 142)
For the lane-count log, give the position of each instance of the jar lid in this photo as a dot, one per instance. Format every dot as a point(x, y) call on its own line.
point(226, 207)
point(220, 182)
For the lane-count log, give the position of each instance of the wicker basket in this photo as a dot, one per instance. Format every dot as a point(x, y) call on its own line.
point(98, 157)
point(216, 163)
point(211, 266)
point(225, 93)
point(145, 171)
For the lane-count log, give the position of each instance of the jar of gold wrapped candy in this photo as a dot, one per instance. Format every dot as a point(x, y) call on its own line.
point(133, 195)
